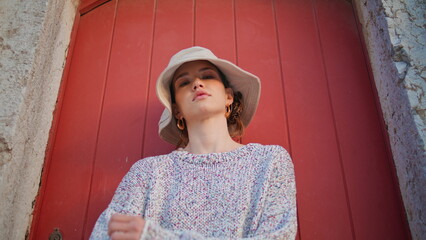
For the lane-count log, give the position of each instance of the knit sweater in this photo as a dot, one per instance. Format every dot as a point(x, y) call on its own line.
point(249, 192)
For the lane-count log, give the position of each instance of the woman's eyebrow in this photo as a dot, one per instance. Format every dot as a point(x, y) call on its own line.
point(201, 70)
point(206, 68)
point(181, 75)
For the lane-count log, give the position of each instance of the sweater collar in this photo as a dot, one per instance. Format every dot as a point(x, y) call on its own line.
point(213, 158)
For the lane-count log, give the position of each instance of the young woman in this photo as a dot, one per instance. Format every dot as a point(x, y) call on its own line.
point(212, 187)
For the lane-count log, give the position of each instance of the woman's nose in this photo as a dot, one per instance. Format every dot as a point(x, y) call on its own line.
point(197, 84)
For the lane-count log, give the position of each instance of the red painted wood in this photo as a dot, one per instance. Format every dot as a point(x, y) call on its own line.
point(69, 173)
point(88, 5)
point(174, 30)
point(257, 51)
point(316, 101)
point(322, 202)
point(376, 209)
point(123, 116)
point(210, 30)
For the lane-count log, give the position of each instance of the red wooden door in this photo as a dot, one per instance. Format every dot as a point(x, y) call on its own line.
point(317, 101)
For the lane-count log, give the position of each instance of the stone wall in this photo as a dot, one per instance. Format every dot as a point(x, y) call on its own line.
point(395, 35)
point(34, 38)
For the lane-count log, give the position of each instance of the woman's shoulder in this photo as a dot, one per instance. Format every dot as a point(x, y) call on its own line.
point(151, 161)
point(268, 149)
point(277, 158)
point(271, 155)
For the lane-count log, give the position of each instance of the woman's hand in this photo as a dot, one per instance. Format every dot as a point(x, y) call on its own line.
point(125, 227)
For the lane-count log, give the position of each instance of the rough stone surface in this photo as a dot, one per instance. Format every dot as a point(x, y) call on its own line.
point(34, 38)
point(395, 35)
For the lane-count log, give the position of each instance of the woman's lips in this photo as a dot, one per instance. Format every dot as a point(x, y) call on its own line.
point(200, 95)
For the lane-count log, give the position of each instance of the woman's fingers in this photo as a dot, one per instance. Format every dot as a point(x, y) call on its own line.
point(124, 235)
point(130, 226)
point(116, 227)
point(125, 227)
point(121, 217)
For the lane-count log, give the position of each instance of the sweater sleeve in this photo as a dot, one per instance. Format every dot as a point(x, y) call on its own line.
point(129, 198)
point(278, 219)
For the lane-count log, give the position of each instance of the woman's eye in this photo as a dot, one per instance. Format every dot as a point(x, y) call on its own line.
point(209, 77)
point(183, 83)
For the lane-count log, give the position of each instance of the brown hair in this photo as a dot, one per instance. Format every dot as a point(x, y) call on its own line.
point(235, 124)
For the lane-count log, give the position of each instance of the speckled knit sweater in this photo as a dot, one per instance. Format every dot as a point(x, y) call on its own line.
point(245, 193)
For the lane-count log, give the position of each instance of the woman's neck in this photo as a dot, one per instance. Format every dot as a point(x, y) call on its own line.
point(210, 136)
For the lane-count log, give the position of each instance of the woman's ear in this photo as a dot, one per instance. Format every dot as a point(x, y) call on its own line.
point(229, 96)
point(176, 112)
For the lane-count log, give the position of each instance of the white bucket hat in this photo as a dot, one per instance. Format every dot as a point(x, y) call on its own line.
point(240, 81)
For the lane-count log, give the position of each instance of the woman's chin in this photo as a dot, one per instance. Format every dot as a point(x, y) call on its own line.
point(204, 112)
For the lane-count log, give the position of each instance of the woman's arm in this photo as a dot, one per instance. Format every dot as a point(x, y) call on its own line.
point(129, 198)
point(279, 217)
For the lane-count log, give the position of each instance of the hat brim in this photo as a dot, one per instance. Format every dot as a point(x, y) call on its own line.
point(239, 79)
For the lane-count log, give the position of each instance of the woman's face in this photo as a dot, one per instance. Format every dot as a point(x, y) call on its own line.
point(199, 91)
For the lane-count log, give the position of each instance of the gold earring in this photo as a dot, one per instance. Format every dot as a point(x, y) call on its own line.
point(180, 124)
point(228, 111)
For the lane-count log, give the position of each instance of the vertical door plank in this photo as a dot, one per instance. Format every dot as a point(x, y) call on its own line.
point(258, 53)
point(376, 208)
point(173, 32)
point(123, 115)
point(68, 184)
point(322, 202)
point(215, 27)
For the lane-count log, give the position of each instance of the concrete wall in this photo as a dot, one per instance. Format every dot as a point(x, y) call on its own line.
point(34, 38)
point(395, 35)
